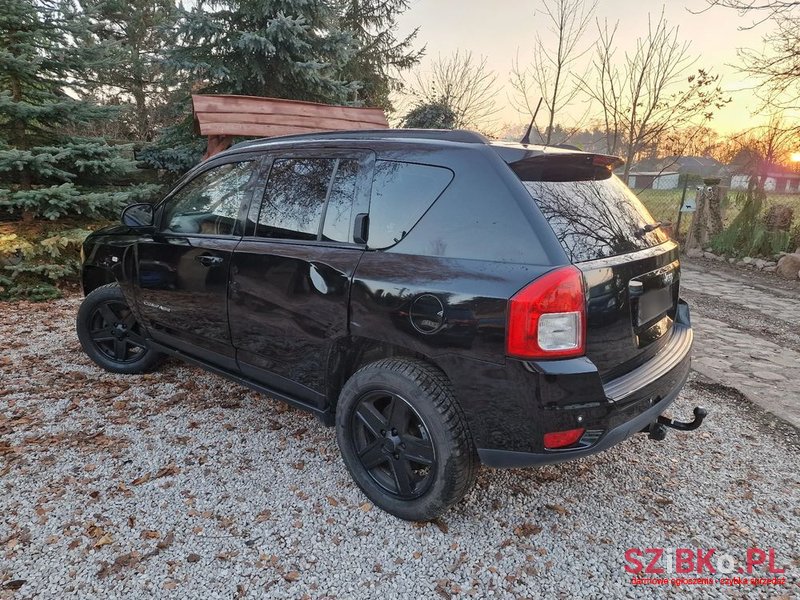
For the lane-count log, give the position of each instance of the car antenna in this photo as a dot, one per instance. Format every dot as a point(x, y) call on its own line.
point(527, 137)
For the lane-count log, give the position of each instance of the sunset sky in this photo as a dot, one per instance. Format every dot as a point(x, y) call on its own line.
point(500, 28)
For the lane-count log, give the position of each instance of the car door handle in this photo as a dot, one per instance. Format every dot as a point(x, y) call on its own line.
point(209, 261)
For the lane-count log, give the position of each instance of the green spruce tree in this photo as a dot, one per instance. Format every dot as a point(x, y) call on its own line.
point(131, 37)
point(281, 48)
point(379, 55)
point(44, 170)
point(329, 51)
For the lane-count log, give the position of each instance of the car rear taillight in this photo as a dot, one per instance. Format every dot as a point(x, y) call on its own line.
point(562, 439)
point(547, 318)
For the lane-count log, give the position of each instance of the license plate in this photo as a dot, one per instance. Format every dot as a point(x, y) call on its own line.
point(654, 304)
point(653, 294)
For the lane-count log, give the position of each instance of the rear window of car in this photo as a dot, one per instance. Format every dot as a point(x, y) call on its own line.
point(401, 193)
point(593, 214)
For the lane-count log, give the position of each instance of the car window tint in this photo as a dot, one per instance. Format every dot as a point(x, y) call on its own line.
point(209, 203)
point(339, 211)
point(595, 219)
point(295, 198)
point(401, 193)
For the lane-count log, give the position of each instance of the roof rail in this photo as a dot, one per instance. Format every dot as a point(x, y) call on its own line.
point(446, 135)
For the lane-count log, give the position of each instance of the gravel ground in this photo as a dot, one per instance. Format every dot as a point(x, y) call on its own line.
point(179, 484)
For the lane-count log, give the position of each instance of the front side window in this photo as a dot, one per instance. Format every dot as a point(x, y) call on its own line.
point(209, 204)
point(302, 192)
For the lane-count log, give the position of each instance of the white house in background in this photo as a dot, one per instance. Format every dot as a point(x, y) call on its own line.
point(776, 181)
point(653, 180)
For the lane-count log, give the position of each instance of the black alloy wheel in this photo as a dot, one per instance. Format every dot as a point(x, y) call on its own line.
point(393, 444)
point(404, 438)
point(115, 332)
point(111, 336)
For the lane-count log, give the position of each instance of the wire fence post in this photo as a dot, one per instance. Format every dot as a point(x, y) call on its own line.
point(680, 206)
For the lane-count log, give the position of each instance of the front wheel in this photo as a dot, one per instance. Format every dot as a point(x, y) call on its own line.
point(110, 335)
point(404, 438)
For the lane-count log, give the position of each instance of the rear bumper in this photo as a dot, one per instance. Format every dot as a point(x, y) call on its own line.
point(628, 404)
point(511, 459)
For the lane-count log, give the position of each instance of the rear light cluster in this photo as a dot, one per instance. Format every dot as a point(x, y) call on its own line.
point(547, 318)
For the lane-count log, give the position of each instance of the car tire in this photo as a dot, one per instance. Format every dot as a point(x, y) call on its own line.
point(404, 438)
point(111, 336)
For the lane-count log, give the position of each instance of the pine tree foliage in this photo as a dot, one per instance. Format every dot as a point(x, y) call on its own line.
point(129, 38)
point(42, 69)
point(329, 51)
point(379, 55)
point(279, 48)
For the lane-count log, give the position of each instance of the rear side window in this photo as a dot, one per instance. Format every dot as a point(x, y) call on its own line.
point(302, 193)
point(401, 193)
point(593, 214)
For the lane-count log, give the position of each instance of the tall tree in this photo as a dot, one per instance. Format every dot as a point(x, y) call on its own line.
point(282, 48)
point(649, 90)
point(465, 84)
point(550, 74)
point(42, 168)
point(778, 65)
point(379, 56)
point(132, 36)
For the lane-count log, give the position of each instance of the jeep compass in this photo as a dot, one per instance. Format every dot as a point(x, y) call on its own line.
point(443, 300)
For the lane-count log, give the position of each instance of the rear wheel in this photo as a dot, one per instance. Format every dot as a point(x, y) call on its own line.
point(110, 335)
point(404, 438)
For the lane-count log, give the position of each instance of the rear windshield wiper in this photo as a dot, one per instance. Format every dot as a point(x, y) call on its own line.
point(648, 228)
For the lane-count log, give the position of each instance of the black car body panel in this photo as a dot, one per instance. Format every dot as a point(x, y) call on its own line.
point(296, 318)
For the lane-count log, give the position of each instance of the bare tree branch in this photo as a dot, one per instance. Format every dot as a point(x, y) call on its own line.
point(639, 94)
point(464, 84)
point(549, 74)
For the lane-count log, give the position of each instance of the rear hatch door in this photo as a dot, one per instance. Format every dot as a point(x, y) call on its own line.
point(630, 265)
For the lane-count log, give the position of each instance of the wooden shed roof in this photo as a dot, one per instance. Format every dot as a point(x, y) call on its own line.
point(251, 116)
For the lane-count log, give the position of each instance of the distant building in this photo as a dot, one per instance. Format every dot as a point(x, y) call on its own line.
point(778, 179)
point(653, 180)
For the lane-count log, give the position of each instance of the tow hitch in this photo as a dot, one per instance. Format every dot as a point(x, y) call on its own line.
point(658, 429)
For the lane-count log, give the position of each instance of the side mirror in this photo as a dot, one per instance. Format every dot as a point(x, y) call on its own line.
point(137, 215)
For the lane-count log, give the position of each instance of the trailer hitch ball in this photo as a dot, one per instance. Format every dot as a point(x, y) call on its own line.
point(700, 413)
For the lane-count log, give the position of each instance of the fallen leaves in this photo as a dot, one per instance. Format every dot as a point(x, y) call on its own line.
point(150, 534)
point(441, 525)
point(291, 576)
point(104, 540)
point(123, 561)
point(193, 558)
point(527, 530)
point(14, 584)
point(264, 515)
point(168, 471)
point(141, 479)
point(557, 508)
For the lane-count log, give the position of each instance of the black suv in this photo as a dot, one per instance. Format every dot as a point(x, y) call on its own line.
point(444, 300)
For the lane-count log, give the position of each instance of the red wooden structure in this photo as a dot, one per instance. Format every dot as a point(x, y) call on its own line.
point(222, 118)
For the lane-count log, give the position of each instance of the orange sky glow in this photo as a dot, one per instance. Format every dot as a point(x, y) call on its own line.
point(500, 29)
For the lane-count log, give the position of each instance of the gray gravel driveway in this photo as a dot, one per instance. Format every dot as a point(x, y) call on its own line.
point(180, 484)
